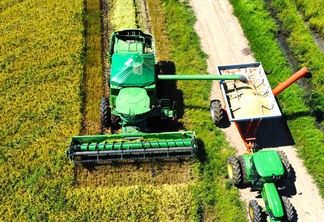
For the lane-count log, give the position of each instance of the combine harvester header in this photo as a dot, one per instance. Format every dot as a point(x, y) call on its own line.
point(134, 107)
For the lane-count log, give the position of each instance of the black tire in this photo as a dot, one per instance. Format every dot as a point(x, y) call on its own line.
point(285, 162)
point(289, 209)
point(234, 170)
point(105, 112)
point(255, 212)
point(216, 111)
point(245, 180)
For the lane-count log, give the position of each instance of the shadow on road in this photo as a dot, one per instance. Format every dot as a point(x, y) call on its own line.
point(274, 133)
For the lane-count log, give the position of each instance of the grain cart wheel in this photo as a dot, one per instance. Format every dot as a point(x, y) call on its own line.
point(104, 112)
point(255, 212)
point(216, 111)
point(244, 170)
point(289, 210)
point(285, 162)
point(234, 170)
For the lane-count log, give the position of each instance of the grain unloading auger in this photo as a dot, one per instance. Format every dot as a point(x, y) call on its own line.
point(134, 106)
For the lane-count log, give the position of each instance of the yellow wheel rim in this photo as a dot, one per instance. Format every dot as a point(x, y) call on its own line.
point(251, 213)
point(230, 170)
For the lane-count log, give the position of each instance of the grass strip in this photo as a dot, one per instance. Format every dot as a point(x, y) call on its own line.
point(261, 31)
point(92, 86)
point(215, 201)
point(305, 51)
point(313, 13)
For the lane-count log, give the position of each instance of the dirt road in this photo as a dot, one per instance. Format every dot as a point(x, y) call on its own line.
point(223, 41)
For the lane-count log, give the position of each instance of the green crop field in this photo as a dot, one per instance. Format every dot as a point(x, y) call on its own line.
point(312, 12)
point(51, 81)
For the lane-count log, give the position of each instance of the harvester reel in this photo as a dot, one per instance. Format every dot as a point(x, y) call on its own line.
point(289, 210)
point(105, 112)
point(255, 212)
point(285, 162)
point(216, 111)
point(241, 160)
point(234, 170)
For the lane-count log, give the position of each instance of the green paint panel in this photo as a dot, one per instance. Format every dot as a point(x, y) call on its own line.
point(271, 196)
point(132, 101)
point(268, 163)
point(247, 157)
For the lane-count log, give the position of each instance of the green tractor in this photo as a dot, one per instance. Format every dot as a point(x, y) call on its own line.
point(261, 170)
point(134, 107)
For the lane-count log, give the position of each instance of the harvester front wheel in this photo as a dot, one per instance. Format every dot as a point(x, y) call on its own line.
point(234, 170)
point(244, 170)
point(285, 162)
point(216, 111)
point(105, 112)
point(289, 210)
point(255, 212)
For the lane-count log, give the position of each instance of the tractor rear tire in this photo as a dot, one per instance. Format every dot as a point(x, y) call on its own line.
point(289, 209)
point(105, 113)
point(285, 162)
point(255, 212)
point(216, 111)
point(234, 170)
point(245, 180)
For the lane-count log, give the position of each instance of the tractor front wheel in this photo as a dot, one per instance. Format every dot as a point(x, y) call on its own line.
point(289, 210)
point(285, 162)
point(105, 112)
point(255, 212)
point(234, 170)
point(244, 170)
point(216, 111)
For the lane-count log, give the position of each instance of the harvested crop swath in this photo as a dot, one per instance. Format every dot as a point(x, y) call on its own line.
point(92, 85)
point(130, 174)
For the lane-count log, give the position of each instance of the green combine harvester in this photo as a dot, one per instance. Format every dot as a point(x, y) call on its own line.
point(134, 107)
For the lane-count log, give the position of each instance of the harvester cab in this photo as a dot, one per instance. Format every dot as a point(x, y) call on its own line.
point(134, 106)
point(261, 170)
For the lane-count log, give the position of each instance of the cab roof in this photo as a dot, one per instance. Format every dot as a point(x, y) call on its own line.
point(132, 70)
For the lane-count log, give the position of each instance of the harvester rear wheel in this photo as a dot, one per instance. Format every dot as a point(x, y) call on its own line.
point(216, 111)
point(244, 170)
point(285, 162)
point(289, 209)
point(234, 170)
point(255, 212)
point(105, 112)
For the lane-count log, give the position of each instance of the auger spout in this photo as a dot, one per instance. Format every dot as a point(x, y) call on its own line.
point(282, 86)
